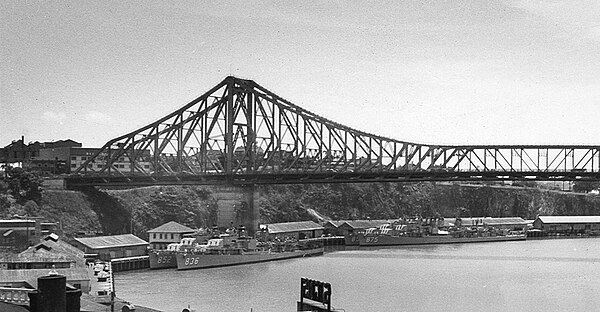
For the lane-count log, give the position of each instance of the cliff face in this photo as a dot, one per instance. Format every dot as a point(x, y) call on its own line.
point(390, 200)
point(141, 209)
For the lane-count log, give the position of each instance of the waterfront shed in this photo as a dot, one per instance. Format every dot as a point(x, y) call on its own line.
point(297, 230)
point(331, 226)
point(114, 246)
point(170, 232)
point(568, 224)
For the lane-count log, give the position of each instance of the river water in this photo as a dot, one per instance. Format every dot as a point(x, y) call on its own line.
point(533, 275)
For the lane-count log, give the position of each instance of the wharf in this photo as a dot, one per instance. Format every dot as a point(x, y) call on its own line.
point(130, 263)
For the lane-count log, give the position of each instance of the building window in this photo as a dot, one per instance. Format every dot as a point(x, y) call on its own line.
point(73, 157)
point(73, 165)
point(154, 235)
point(172, 235)
point(160, 235)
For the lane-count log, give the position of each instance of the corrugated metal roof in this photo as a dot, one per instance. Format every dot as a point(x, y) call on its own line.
point(504, 221)
point(275, 228)
point(569, 219)
point(111, 241)
point(334, 224)
point(171, 227)
point(30, 275)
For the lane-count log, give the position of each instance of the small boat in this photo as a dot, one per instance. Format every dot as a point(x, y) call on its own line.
point(237, 250)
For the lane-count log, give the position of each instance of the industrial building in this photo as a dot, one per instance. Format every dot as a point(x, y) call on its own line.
point(568, 225)
point(114, 246)
point(170, 232)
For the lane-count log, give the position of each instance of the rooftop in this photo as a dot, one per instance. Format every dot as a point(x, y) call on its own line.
point(287, 227)
point(111, 241)
point(569, 219)
point(30, 276)
point(171, 227)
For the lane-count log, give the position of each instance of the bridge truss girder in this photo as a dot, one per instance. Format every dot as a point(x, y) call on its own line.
point(240, 132)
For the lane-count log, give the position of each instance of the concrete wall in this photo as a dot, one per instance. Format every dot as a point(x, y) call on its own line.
point(237, 205)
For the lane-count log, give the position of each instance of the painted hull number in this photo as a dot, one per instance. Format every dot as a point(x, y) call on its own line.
point(165, 259)
point(372, 239)
point(192, 261)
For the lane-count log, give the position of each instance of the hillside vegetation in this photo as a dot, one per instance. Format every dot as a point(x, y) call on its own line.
point(138, 210)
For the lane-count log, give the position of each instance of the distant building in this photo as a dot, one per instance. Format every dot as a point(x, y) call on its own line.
point(170, 232)
point(17, 235)
point(114, 246)
point(568, 224)
point(50, 253)
point(297, 230)
point(19, 152)
point(75, 157)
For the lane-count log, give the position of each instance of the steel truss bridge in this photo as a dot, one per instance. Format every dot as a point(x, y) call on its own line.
point(241, 133)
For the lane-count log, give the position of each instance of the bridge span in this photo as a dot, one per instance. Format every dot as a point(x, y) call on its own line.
point(241, 133)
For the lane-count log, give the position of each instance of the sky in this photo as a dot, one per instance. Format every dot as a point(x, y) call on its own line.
point(434, 72)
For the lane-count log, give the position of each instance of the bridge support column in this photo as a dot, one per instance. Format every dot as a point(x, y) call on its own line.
point(237, 205)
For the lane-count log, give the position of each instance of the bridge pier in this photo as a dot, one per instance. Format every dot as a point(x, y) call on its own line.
point(237, 205)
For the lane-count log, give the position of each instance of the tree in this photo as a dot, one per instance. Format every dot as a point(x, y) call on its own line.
point(24, 185)
point(585, 186)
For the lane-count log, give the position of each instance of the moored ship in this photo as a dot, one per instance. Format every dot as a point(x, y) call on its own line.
point(419, 231)
point(230, 250)
point(164, 259)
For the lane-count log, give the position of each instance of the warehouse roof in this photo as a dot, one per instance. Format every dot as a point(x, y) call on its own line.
point(111, 241)
point(287, 227)
point(171, 227)
point(569, 219)
point(365, 224)
point(333, 223)
point(30, 276)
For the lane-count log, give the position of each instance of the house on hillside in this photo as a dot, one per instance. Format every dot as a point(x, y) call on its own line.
point(170, 232)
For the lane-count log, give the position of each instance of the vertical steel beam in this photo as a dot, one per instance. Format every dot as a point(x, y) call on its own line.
point(250, 136)
point(229, 120)
point(180, 146)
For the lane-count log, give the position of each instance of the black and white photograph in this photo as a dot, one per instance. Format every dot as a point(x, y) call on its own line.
point(272, 155)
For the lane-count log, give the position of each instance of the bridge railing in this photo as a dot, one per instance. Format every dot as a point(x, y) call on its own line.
point(15, 295)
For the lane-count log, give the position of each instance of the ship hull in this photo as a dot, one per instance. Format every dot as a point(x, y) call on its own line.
point(162, 259)
point(351, 239)
point(383, 240)
point(192, 261)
